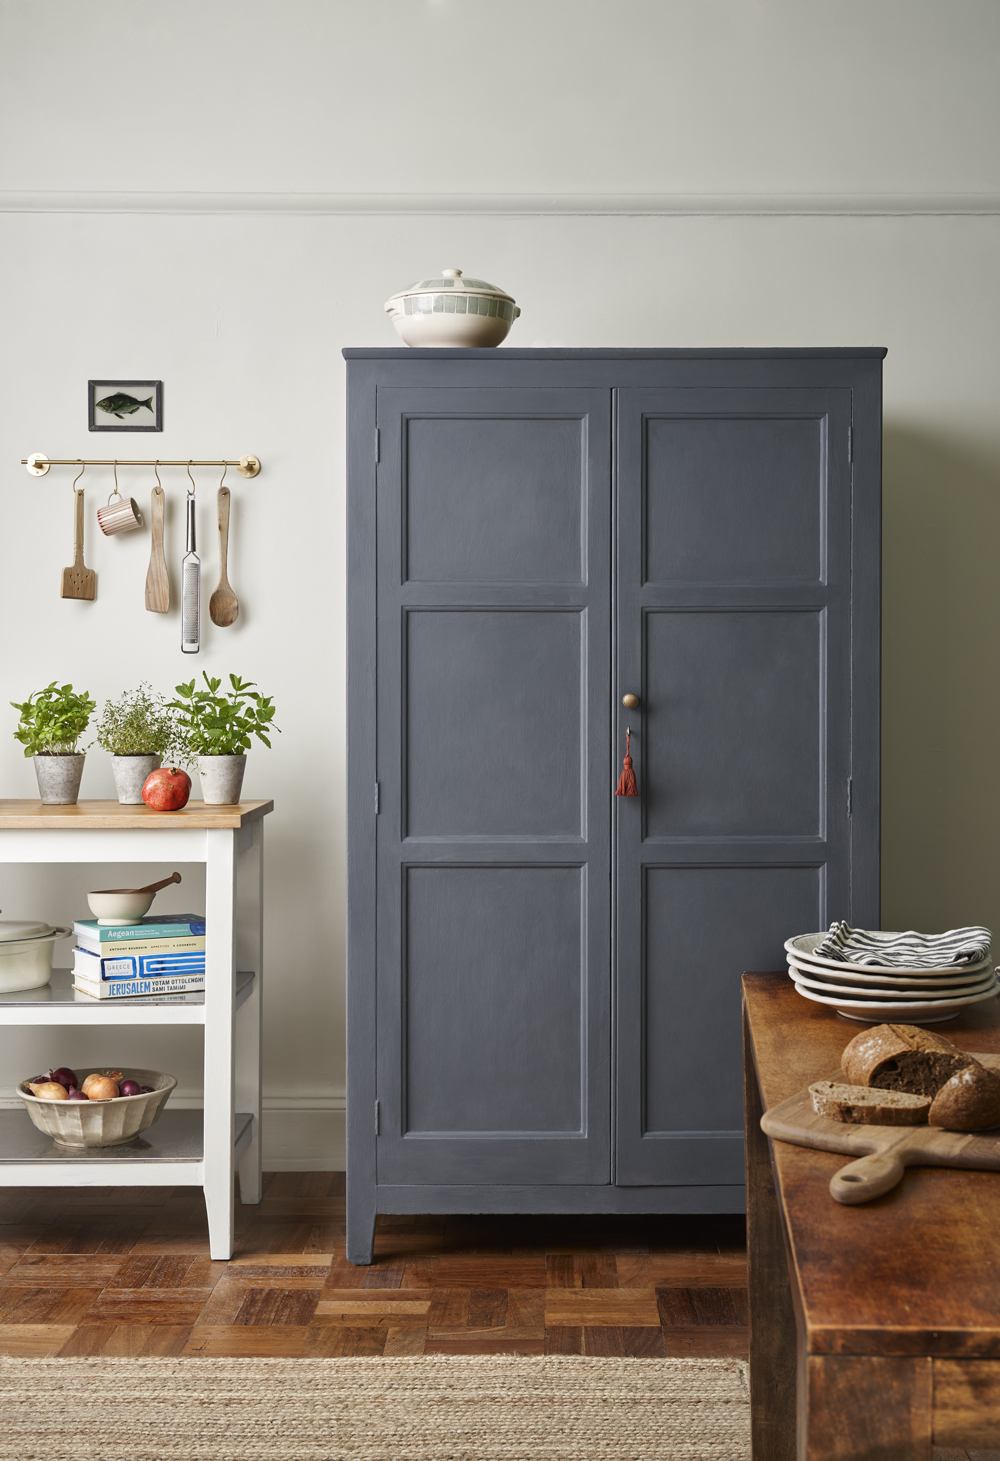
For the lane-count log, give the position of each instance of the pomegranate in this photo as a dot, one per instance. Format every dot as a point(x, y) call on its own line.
point(167, 790)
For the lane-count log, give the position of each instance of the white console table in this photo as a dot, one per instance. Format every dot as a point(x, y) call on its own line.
point(183, 1147)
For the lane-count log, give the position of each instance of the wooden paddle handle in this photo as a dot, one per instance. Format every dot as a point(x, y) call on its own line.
point(78, 530)
point(866, 1178)
point(223, 504)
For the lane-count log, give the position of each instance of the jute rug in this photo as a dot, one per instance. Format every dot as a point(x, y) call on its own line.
point(482, 1408)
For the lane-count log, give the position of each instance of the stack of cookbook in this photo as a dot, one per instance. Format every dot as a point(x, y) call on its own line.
point(162, 955)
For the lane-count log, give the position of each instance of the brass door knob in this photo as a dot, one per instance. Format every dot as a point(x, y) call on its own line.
point(630, 701)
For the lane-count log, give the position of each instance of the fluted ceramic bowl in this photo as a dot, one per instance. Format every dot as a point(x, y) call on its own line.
point(101, 1123)
point(451, 310)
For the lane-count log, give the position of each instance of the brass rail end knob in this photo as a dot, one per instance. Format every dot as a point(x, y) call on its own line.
point(630, 701)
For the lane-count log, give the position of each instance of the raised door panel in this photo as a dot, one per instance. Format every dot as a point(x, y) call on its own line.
point(495, 983)
point(702, 926)
point(733, 716)
point(734, 626)
point(500, 500)
point(762, 479)
point(493, 840)
point(484, 688)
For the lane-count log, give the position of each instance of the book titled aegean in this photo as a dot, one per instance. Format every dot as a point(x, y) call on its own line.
point(167, 925)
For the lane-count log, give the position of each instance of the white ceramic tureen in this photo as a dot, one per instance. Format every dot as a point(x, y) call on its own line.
point(452, 310)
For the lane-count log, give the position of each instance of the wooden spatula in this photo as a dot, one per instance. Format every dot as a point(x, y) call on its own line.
point(223, 606)
point(78, 582)
point(157, 583)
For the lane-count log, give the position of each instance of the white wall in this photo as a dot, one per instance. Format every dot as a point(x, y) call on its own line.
point(243, 315)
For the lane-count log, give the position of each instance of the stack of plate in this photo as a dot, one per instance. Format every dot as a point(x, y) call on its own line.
point(868, 992)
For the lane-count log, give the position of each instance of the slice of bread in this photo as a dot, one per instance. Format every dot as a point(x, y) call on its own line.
point(863, 1106)
point(902, 1058)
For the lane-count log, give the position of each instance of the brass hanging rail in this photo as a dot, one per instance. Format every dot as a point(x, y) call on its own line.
point(38, 464)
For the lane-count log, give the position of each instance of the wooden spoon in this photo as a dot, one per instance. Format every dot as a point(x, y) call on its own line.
point(78, 582)
point(149, 888)
point(157, 582)
point(223, 606)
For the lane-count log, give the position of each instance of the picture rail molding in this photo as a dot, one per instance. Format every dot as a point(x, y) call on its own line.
point(679, 205)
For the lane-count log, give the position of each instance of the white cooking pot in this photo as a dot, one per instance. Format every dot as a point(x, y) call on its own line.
point(26, 953)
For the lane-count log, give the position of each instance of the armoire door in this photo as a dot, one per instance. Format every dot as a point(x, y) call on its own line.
point(734, 628)
point(493, 833)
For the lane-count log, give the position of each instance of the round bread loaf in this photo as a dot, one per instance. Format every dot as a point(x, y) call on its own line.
point(902, 1058)
point(969, 1101)
point(863, 1106)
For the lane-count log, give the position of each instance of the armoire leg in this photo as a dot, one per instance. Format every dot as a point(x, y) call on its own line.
point(360, 1226)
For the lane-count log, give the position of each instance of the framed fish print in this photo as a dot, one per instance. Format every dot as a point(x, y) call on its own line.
point(125, 405)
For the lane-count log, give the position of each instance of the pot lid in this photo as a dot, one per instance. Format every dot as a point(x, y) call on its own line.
point(454, 280)
point(12, 929)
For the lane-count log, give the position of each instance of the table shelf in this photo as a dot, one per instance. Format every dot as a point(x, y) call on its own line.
point(57, 1003)
point(203, 1148)
point(170, 1154)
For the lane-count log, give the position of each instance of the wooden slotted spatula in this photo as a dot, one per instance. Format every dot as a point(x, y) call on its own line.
point(223, 606)
point(78, 582)
point(157, 583)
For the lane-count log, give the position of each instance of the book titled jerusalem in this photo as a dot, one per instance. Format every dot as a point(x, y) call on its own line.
point(136, 966)
point(167, 925)
point(134, 988)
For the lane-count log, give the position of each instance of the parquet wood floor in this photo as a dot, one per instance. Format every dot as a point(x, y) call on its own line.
point(126, 1271)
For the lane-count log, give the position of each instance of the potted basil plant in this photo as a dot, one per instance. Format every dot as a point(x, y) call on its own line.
point(52, 721)
point(140, 731)
point(217, 730)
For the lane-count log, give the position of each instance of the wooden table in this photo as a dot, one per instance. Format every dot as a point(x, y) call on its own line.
point(874, 1330)
point(184, 1147)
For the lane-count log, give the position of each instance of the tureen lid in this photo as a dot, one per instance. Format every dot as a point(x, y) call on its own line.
point(12, 929)
point(454, 280)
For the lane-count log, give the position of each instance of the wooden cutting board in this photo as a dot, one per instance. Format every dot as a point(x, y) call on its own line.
point(882, 1152)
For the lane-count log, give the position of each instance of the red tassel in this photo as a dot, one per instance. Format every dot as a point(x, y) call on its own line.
point(626, 782)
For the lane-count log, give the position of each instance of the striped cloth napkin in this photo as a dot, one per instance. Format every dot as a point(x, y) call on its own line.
point(904, 950)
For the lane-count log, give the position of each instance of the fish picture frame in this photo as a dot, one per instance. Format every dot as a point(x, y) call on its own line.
point(125, 405)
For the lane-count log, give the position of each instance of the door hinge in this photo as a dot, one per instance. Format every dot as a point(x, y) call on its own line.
point(377, 456)
point(850, 443)
point(376, 798)
point(850, 797)
point(376, 1118)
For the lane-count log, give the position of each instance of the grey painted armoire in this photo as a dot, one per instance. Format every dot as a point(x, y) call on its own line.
point(544, 979)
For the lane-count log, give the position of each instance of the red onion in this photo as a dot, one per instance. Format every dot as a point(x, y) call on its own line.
point(64, 1076)
point(130, 1088)
point(76, 1095)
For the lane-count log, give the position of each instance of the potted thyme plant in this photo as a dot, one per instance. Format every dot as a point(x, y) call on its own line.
point(52, 721)
point(217, 730)
point(141, 731)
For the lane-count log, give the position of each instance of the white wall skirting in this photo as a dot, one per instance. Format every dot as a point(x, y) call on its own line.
point(776, 205)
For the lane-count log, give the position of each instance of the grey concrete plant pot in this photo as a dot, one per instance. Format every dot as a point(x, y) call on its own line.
point(59, 778)
point(130, 774)
point(221, 779)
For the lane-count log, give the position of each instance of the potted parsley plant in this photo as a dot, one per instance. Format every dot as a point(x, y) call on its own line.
point(52, 721)
point(217, 730)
